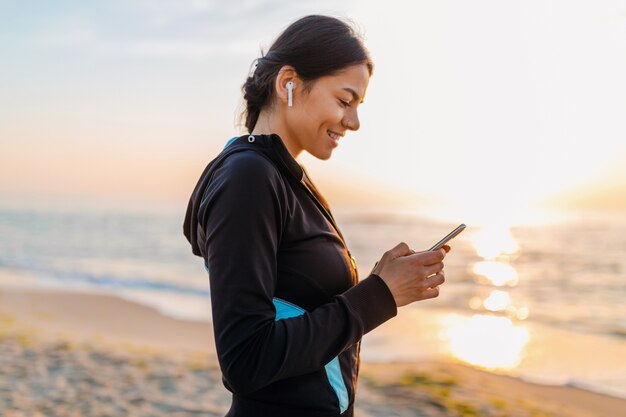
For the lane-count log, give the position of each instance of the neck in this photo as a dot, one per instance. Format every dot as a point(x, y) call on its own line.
point(268, 124)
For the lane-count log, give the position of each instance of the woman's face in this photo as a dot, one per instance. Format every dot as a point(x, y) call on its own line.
point(329, 108)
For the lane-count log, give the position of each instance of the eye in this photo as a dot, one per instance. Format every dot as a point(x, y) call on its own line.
point(344, 103)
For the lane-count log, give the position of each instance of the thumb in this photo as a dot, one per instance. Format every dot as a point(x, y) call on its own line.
point(401, 249)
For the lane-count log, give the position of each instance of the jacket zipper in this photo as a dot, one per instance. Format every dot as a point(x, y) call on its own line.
point(326, 213)
point(329, 217)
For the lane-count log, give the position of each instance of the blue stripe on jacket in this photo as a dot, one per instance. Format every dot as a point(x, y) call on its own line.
point(285, 309)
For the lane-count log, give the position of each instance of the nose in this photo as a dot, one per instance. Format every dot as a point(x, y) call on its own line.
point(351, 121)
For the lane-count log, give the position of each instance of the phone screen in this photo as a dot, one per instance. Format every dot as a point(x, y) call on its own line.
point(447, 238)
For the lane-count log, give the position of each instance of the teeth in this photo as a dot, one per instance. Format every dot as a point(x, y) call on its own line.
point(333, 135)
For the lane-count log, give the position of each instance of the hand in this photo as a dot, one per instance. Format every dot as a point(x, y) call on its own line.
point(412, 276)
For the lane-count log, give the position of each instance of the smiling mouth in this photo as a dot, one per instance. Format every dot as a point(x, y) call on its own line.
point(333, 136)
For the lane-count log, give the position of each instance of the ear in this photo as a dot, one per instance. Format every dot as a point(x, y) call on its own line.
point(285, 74)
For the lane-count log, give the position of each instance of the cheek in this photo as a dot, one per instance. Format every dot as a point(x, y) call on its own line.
point(317, 117)
point(321, 118)
point(331, 115)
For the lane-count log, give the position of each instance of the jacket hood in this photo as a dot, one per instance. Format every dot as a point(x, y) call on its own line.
point(272, 146)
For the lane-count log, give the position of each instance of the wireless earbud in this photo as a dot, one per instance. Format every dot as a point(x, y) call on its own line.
point(290, 93)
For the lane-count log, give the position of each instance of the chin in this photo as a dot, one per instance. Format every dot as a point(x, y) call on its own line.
point(324, 156)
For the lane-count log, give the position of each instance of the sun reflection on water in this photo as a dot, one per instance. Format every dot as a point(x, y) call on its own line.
point(491, 340)
point(497, 300)
point(485, 341)
point(493, 241)
point(496, 273)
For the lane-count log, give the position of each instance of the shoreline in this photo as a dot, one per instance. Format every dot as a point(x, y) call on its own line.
point(39, 319)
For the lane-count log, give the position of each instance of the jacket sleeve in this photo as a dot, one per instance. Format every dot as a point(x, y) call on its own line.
point(245, 216)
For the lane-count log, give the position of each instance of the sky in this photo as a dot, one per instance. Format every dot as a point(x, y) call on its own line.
point(482, 107)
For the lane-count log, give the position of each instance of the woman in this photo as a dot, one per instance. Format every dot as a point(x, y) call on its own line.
point(288, 308)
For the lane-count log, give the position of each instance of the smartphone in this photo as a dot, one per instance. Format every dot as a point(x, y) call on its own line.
point(449, 236)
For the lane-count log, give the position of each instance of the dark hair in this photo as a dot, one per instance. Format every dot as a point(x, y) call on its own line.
point(315, 46)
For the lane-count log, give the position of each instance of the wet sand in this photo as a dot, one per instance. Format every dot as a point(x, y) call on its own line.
point(72, 354)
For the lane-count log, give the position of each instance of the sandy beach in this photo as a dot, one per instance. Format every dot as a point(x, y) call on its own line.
point(73, 354)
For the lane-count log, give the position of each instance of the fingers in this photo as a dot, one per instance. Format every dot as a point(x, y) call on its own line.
point(435, 280)
point(431, 293)
point(401, 249)
point(433, 269)
point(428, 257)
point(401, 265)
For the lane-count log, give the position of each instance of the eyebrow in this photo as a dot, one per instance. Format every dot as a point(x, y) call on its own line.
point(354, 94)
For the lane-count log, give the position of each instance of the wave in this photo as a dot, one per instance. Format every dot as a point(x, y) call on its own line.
point(111, 281)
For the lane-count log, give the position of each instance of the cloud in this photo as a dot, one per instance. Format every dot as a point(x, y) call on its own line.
point(76, 37)
point(191, 29)
point(189, 49)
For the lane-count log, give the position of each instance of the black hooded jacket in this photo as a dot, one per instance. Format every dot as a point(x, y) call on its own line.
point(288, 308)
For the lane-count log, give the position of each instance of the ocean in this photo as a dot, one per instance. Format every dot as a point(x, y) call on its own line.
point(544, 301)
